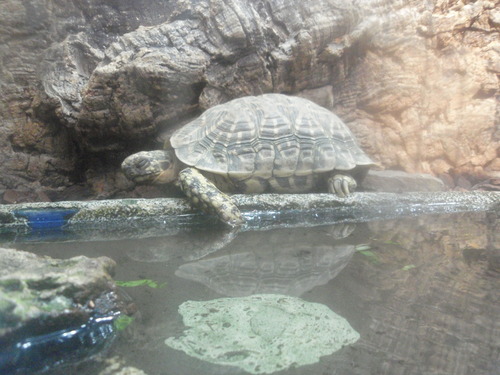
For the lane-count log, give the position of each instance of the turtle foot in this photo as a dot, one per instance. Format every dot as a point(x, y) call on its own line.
point(204, 194)
point(342, 185)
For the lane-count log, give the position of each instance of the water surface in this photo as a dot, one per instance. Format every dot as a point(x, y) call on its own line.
point(422, 292)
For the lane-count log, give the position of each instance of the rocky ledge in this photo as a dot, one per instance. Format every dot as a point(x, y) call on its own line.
point(54, 311)
point(125, 216)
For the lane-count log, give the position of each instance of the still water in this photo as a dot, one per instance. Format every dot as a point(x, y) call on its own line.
point(423, 293)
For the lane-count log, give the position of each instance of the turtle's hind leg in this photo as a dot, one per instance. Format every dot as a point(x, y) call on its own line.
point(204, 194)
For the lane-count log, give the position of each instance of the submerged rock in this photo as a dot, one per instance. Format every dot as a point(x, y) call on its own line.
point(261, 334)
point(34, 287)
point(116, 366)
point(54, 312)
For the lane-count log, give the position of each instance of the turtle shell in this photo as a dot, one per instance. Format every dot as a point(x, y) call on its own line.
point(268, 135)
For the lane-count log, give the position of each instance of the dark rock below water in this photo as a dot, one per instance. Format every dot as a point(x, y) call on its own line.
point(401, 182)
point(34, 287)
point(54, 311)
point(115, 366)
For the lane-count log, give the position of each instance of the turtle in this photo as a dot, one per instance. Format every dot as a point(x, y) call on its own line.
point(254, 144)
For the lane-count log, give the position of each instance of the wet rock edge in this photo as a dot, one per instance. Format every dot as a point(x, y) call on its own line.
point(84, 213)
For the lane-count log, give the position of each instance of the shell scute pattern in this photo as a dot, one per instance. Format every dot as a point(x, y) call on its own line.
point(273, 127)
point(264, 159)
point(241, 159)
point(268, 135)
point(287, 157)
point(306, 158)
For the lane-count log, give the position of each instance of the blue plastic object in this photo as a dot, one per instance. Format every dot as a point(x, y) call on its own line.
point(61, 348)
point(46, 219)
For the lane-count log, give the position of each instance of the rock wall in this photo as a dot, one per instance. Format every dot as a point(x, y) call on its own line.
point(425, 96)
point(40, 152)
point(84, 83)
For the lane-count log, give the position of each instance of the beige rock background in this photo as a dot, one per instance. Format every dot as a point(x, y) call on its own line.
point(428, 100)
point(83, 84)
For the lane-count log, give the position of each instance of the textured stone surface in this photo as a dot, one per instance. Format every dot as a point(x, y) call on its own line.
point(154, 76)
point(117, 366)
point(34, 288)
point(399, 182)
point(83, 84)
point(424, 98)
point(48, 49)
point(139, 218)
point(262, 333)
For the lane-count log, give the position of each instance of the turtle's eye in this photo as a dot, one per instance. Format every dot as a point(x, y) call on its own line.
point(165, 165)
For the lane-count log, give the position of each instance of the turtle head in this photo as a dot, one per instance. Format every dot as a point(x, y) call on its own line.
point(151, 167)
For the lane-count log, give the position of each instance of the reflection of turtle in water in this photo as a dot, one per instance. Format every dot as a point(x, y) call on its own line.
point(255, 144)
point(287, 270)
point(284, 261)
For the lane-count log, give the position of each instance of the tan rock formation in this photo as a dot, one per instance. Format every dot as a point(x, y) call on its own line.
point(425, 97)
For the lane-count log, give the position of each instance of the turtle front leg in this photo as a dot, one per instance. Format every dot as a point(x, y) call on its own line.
point(205, 195)
point(342, 185)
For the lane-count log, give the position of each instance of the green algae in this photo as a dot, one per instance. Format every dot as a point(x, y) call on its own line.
point(122, 322)
point(142, 282)
point(23, 304)
point(261, 334)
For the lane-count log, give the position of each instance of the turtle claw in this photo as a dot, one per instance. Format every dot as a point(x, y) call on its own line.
point(342, 185)
point(337, 188)
point(204, 194)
